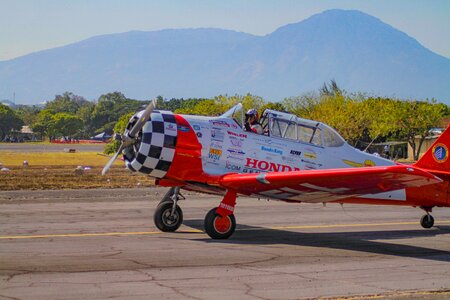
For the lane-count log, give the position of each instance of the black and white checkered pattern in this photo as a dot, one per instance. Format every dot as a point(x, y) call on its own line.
point(157, 149)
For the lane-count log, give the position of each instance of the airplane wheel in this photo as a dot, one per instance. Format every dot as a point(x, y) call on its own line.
point(218, 227)
point(163, 218)
point(427, 221)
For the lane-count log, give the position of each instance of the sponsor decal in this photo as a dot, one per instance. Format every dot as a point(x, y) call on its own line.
point(235, 142)
point(295, 152)
point(271, 150)
point(217, 135)
point(311, 163)
point(310, 167)
point(248, 170)
point(309, 155)
point(216, 145)
point(183, 128)
point(440, 153)
point(366, 163)
point(241, 135)
point(226, 206)
point(196, 127)
point(199, 134)
point(214, 163)
point(235, 151)
point(236, 158)
point(215, 154)
point(369, 163)
point(267, 166)
point(231, 166)
point(220, 124)
point(170, 127)
point(264, 140)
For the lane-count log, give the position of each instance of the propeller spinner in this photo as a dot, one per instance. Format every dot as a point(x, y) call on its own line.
point(129, 136)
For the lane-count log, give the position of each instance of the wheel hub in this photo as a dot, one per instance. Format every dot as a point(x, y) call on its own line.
point(222, 224)
point(169, 219)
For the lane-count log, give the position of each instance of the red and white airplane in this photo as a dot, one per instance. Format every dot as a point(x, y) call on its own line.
point(296, 160)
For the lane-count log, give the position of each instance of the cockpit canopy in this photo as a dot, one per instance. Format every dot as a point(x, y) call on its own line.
point(289, 126)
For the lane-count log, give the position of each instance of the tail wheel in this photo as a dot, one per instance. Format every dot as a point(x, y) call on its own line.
point(165, 220)
point(427, 221)
point(218, 227)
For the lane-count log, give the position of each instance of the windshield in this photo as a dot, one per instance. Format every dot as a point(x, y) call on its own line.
point(235, 113)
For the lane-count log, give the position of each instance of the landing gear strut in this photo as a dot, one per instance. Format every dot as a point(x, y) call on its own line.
point(427, 221)
point(168, 216)
point(220, 222)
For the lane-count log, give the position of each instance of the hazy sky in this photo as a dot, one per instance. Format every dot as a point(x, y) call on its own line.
point(27, 26)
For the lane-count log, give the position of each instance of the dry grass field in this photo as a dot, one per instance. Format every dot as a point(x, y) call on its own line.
point(56, 170)
point(16, 159)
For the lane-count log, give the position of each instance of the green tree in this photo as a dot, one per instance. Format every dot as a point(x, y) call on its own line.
point(85, 114)
point(340, 112)
point(67, 125)
point(119, 128)
point(274, 106)
point(415, 120)
point(301, 105)
point(28, 113)
point(331, 89)
point(110, 107)
point(44, 124)
point(9, 121)
point(207, 107)
point(66, 103)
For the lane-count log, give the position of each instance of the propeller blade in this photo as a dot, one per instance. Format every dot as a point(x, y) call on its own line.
point(111, 161)
point(144, 118)
point(127, 140)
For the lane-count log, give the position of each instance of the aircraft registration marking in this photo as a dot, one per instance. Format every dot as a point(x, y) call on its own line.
point(49, 236)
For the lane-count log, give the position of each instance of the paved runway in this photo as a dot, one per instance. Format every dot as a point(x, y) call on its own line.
point(25, 147)
point(97, 244)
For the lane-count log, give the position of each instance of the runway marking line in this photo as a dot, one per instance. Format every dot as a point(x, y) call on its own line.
point(42, 236)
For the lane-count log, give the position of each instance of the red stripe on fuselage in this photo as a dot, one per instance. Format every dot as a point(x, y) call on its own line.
point(187, 162)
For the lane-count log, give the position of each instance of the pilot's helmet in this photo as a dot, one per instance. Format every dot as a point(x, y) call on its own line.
point(252, 112)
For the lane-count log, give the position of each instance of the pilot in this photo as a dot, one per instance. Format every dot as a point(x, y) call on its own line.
point(252, 122)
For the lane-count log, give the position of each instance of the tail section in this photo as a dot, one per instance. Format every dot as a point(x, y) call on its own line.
point(436, 160)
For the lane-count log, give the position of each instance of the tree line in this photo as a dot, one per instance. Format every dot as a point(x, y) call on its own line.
point(359, 118)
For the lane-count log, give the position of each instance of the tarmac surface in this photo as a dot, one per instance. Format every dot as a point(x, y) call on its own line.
point(27, 147)
point(99, 244)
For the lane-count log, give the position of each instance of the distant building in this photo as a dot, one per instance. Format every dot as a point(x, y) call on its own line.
point(427, 143)
point(26, 134)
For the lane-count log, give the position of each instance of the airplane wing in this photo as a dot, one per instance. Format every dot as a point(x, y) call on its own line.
point(327, 185)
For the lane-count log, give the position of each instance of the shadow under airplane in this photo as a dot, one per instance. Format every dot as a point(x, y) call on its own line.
point(362, 241)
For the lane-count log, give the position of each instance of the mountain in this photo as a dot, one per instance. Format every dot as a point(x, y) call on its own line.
point(357, 50)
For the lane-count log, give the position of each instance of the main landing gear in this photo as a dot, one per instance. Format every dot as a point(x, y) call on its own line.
point(219, 227)
point(427, 221)
point(219, 223)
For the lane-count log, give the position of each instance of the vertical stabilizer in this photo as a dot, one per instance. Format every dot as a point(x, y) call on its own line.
point(437, 157)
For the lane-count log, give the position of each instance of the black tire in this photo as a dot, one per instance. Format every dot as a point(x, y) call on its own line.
point(222, 230)
point(427, 221)
point(164, 221)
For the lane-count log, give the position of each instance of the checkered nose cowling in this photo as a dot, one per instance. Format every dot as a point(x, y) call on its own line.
point(157, 146)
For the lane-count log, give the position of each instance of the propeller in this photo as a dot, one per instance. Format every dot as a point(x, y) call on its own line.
point(129, 136)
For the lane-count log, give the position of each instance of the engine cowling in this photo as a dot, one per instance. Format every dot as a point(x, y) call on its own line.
point(154, 149)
